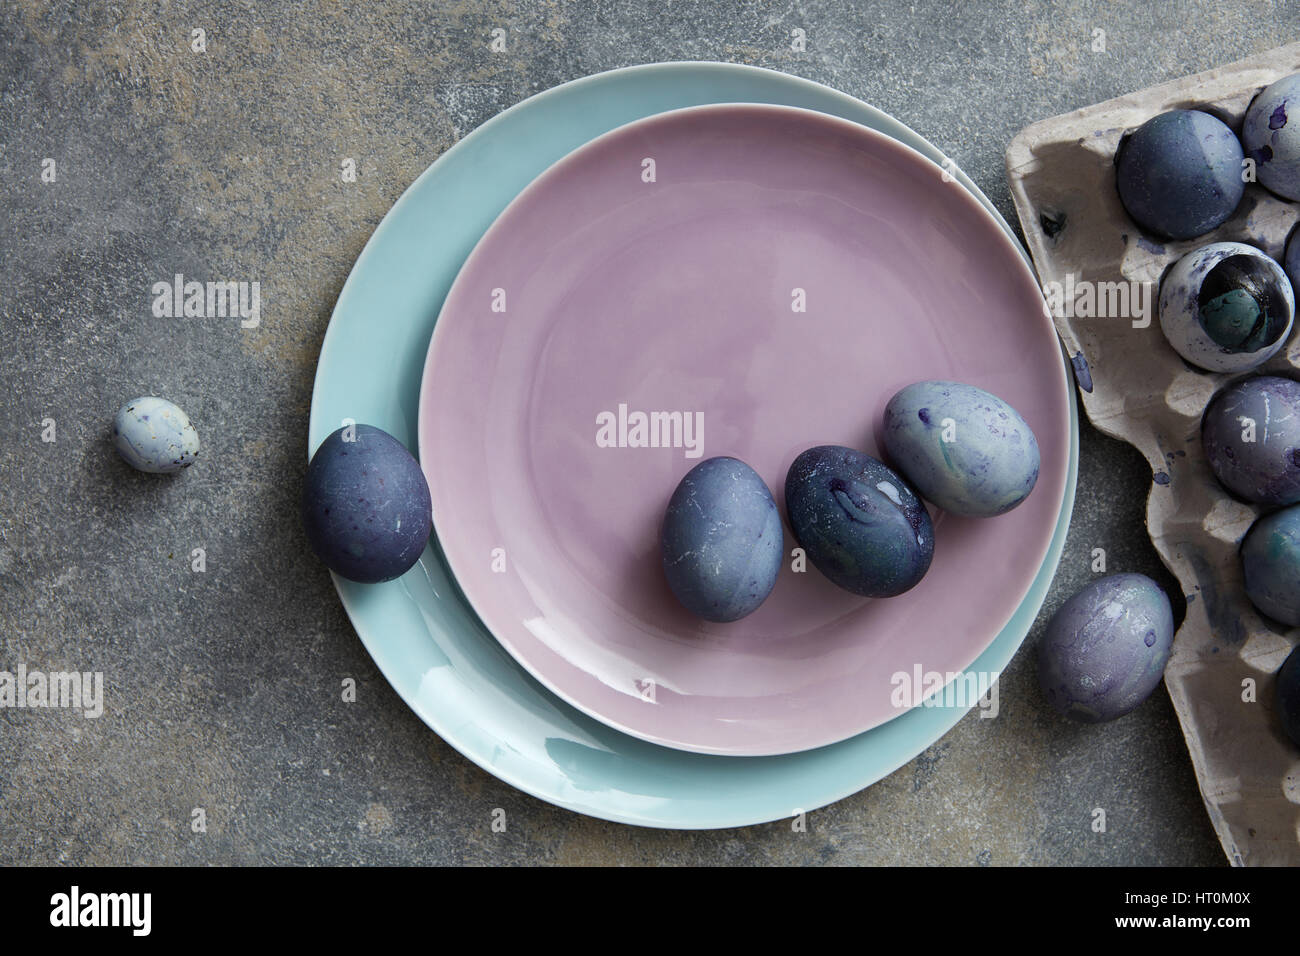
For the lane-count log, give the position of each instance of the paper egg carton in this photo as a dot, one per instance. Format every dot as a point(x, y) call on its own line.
point(1062, 178)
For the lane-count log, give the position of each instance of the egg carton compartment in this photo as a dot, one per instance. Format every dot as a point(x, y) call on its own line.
point(1135, 387)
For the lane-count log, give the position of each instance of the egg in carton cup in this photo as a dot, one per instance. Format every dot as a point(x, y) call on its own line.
point(1101, 276)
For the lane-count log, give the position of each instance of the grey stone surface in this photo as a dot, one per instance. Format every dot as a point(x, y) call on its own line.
point(222, 687)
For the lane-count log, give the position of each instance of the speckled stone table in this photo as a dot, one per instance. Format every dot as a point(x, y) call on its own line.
point(221, 686)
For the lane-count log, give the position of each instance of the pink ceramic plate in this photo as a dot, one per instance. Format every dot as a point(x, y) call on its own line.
point(779, 273)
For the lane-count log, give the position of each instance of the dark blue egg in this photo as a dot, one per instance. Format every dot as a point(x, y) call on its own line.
point(1180, 173)
point(860, 524)
point(721, 540)
point(366, 506)
point(1288, 696)
point(1270, 561)
point(1251, 436)
point(1105, 650)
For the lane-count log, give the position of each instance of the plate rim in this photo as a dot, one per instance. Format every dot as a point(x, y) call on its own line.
point(690, 814)
point(555, 172)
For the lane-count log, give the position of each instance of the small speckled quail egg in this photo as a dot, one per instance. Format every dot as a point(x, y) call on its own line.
point(1270, 134)
point(1270, 560)
point(151, 434)
point(1105, 650)
point(1226, 307)
point(961, 447)
point(860, 523)
point(721, 540)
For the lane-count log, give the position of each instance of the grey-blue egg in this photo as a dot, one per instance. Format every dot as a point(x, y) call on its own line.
point(721, 540)
point(1291, 260)
point(1270, 559)
point(1106, 648)
point(1226, 307)
point(1251, 436)
point(1270, 134)
point(859, 522)
point(365, 505)
point(151, 434)
point(1179, 173)
point(961, 447)
point(1288, 696)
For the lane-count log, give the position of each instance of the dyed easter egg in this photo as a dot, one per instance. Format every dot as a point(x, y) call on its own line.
point(1270, 561)
point(366, 506)
point(153, 435)
point(1179, 173)
point(1270, 134)
point(1105, 650)
point(1251, 436)
point(1288, 696)
point(721, 540)
point(1226, 307)
point(859, 523)
point(961, 447)
point(1291, 260)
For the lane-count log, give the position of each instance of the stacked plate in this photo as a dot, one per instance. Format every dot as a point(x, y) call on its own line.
point(707, 243)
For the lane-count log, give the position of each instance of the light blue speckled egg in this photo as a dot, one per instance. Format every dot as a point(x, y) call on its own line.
point(961, 447)
point(1226, 307)
point(153, 435)
point(1271, 135)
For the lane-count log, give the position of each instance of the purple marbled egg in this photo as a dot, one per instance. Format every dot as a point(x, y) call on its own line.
point(1251, 436)
point(1105, 650)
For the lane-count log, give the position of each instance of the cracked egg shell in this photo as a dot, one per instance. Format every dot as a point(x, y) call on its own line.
point(1226, 307)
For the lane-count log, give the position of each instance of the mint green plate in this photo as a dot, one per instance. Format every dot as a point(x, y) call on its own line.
point(419, 629)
